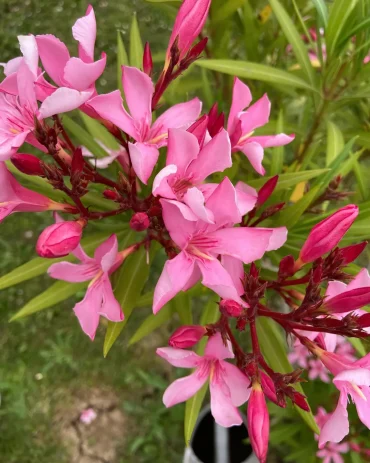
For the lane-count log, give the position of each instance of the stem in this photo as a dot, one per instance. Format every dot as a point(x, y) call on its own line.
point(64, 133)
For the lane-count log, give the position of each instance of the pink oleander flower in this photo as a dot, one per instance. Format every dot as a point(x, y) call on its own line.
point(241, 125)
point(258, 422)
point(189, 22)
point(99, 300)
point(326, 234)
point(229, 387)
point(139, 90)
point(15, 198)
point(331, 453)
point(75, 77)
point(187, 336)
point(351, 379)
point(299, 355)
point(201, 243)
point(59, 239)
point(88, 416)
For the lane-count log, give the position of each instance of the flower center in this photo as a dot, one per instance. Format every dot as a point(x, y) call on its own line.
point(201, 246)
point(244, 138)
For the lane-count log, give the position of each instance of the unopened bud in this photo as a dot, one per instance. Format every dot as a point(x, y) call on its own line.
point(139, 221)
point(364, 320)
point(28, 164)
point(266, 190)
point(268, 387)
point(300, 400)
point(230, 308)
point(286, 267)
point(199, 129)
point(60, 239)
point(187, 336)
point(258, 422)
point(110, 194)
point(147, 60)
point(216, 121)
point(350, 253)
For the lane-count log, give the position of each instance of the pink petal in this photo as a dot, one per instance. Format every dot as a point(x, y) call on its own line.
point(28, 46)
point(54, 56)
point(216, 348)
point(359, 376)
point(174, 277)
point(182, 389)
point(235, 269)
point(12, 65)
point(246, 197)
point(26, 88)
point(179, 357)
point(331, 341)
point(160, 182)
point(222, 408)
point(335, 288)
point(139, 89)
point(87, 311)
point(9, 84)
point(73, 273)
point(6, 209)
point(80, 75)
point(238, 383)
point(278, 237)
point(363, 406)
point(84, 31)
point(242, 98)
point(214, 157)
point(195, 200)
point(336, 427)
point(143, 157)
point(361, 280)
point(223, 203)
point(110, 107)
point(179, 227)
point(43, 88)
point(106, 253)
point(181, 115)
point(182, 149)
point(254, 153)
point(269, 141)
point(257, 115)
point(246, 244)
point(110, 307)
point(63, 100)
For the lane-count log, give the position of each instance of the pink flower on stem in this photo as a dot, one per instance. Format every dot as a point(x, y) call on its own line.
point(99, 299)
point(229, 387)
point(201, 243)
point(258, 422)
point(15, 198)
point(331, 453)
point(139, 90)
point(241, 125)
point(75, 77)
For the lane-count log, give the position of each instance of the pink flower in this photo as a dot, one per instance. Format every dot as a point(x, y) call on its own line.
point(229, 387)
point(189, 22)
point(139, 90)
point(299, 355)
point(99, 299)
point(88, 416)
point(351, 379)
point(188, 165)
point(241, 125)
point(201, 243)
point(59, 239)
point(258, 422)
point(331, 452)
point(326, 234)
point(187, 336)
point(76, 77)
point(15, 198)
point(316, 370)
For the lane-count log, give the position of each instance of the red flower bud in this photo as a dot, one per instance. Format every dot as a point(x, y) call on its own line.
point(78, 163)
point(350, 253)
point(230, 308)
point(187, 336)
point(348, 300)
point(147, 60)
point(269, 388)
point(216, 121)
point(110, 194)
point(60, 239)
point(300, 400)
point(266, 190)
point(286, 267)
point(199, 129)
point(326, 235)
point(364, 320)
point(258, 422)
point(139, 221)
point(28, 164)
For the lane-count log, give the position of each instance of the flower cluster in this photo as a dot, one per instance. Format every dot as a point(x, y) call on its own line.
point(208, 230)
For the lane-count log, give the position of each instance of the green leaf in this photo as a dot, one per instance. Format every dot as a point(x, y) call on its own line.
point(226, 10)
point(254, 71)
point(128, 283)
point(291, 215)
point(136, 45)
point(273, 348)
point(151, 323)
point(99, 132)
point(335, 142)
point(277, 159)
point(339, 13)
point(322, 11)
point(182, 305)
point(294, 38)
point(122, 60)
point(363, 25)
point(357, 344)
point(145, 299)
point(38, 265)
point(288, 180)
point(194, 404)
point(58, 292)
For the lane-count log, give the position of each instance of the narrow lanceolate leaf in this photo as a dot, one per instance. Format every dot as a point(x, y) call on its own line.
point(122, 60)
point(151, 323)
point(254, 71)
point(128, 284)
point(294, 38)
point(290, 179)
point(273, 348)
point(210, 315)
point(335, 142)
point(322, 11)
point(99, 132)
point(339, 13)
point(227, 9)
point(357, 344)
point(361, 178)
point(58, 292)
point(136, 45)
point(362, 26)
point(291, 215)
point(182, 305)
point(277, 158)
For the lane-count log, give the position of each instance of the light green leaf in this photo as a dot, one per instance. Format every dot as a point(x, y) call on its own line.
point(182, 305)
point(99, 132)
point(128, 283)
point(273, 348)
point(136, 45)
point(151, 323)
point(363, 25)
point(254, 71)
point(145, 299)
point(339, 13)
point(294, 38)
point(193, 405)
point(291, 215)
point(122, 60)
point(288, 180)
point(360, 177)
point(335, 142)
point(322, 11)
point(357, 344)
point(58, 292)
point(227, 9)
point(277, 158)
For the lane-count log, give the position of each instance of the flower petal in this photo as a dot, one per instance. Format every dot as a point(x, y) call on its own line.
point(363, 406)
point(235, 269)
point(84, 31)
point(110, 307)
point(179, 357)
point(160, 182)
point(87, 311)
point(223, 203)
point(216, 348)
point(182, 149)
point(359, 376)
point(256, 115)
point(106, 253)
point(334, 288)
point(336, 427)
point(73, 273)
point(179, 225)
point(180, 115)
point(28, 46)
point(269, 141)
point(54, 56)
point(222, 408)
point(246, 197)
point(139, 89)
point(242, 98)
point(63, 100)
point(143, 157)
point(254, 153)
point(182, 389)
point(80, 75)
point(238, 383)
point(195, 200)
